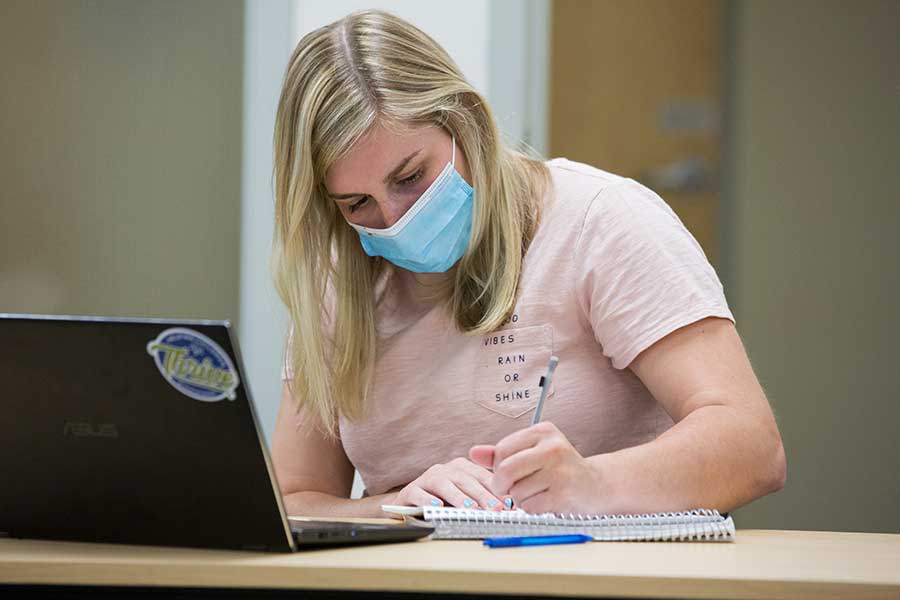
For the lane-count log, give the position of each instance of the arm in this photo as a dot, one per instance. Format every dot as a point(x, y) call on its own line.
point(723, 451)
point(313, 471)
point(637, 267)
point(315, 476)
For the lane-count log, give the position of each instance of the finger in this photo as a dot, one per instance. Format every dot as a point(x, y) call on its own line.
point(477, 471)
point(478, 491)
point(416, 496)
point(482, 455)
point(521, 440)
point(451, 494)
point(528, 487)
point(517, 467)
point(542, 502)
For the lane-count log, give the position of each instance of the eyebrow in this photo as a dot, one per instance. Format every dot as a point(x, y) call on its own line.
point(396, 171)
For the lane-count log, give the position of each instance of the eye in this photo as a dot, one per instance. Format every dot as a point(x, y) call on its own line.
point(358, 204)
point(411, 179)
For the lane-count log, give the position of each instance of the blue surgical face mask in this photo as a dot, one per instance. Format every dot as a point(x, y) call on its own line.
point(434, 233)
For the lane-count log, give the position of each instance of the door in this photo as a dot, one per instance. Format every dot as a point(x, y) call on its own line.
point(636, 89)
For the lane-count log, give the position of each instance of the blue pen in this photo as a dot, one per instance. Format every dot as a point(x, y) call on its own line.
point(536, 540)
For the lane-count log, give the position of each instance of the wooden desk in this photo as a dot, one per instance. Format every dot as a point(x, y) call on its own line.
point(761, 564)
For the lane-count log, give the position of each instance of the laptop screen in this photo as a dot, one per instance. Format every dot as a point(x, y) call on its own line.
point(134, 431)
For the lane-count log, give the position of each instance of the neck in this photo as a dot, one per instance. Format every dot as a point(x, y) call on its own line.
point(428, 280)
point(427, 288)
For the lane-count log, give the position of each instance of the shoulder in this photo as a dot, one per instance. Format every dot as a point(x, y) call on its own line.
point(574, 180)
point(585, 198)
point(572, 190)
point(638, 272)
point(612, 224)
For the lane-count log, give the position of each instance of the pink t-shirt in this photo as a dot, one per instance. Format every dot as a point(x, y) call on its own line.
point(610, 271)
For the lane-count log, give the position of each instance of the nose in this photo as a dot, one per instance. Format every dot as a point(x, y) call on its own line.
point(391, 211)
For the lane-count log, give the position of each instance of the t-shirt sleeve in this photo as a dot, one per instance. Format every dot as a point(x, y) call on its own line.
point(640, 274)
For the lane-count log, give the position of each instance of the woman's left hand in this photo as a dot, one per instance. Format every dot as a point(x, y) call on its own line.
point(541, 470)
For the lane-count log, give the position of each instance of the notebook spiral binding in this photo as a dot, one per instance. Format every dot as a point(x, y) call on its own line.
point(692, 525)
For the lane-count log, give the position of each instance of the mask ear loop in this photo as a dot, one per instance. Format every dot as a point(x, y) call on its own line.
point(453, 156)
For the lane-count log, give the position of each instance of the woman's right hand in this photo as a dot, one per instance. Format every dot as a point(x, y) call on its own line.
point(459, 483)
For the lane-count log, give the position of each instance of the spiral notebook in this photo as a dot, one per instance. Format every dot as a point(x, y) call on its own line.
point(466, 524)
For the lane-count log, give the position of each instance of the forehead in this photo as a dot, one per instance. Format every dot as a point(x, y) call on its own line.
point(377, 153)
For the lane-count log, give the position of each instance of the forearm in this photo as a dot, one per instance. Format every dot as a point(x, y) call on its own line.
point(319, 504)
point(716, 457)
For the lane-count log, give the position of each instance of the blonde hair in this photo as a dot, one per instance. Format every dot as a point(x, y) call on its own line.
point(373, 67)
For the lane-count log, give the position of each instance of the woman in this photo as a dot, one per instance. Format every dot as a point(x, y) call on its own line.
point(430, 272)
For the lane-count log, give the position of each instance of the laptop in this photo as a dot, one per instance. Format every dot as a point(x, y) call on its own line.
point(142, 431)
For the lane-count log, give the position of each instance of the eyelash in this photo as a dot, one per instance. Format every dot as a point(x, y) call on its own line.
point(357, 204)
point(411, 179)
point(406, 181)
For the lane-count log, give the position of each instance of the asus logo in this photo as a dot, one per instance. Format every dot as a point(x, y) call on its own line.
point(85, 429)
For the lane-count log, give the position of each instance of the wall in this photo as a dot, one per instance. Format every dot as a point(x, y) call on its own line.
point(815, 259)
point(121, 161)
point(268, 43)
point(120, 157)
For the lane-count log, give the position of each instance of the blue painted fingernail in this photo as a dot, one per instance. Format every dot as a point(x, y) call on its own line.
point(469, 503)
point(435, 502)
point(492, 503)
point(508, 503)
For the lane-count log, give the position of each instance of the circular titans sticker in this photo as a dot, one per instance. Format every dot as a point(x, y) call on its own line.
point(195, 365)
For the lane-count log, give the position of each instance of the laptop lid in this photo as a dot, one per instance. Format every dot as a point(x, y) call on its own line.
point(132, 431)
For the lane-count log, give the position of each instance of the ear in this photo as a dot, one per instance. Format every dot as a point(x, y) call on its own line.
point(482, 455)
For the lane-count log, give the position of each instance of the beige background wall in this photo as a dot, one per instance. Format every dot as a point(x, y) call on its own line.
point(120, 157)
point(120, 160)
point(814, 272)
